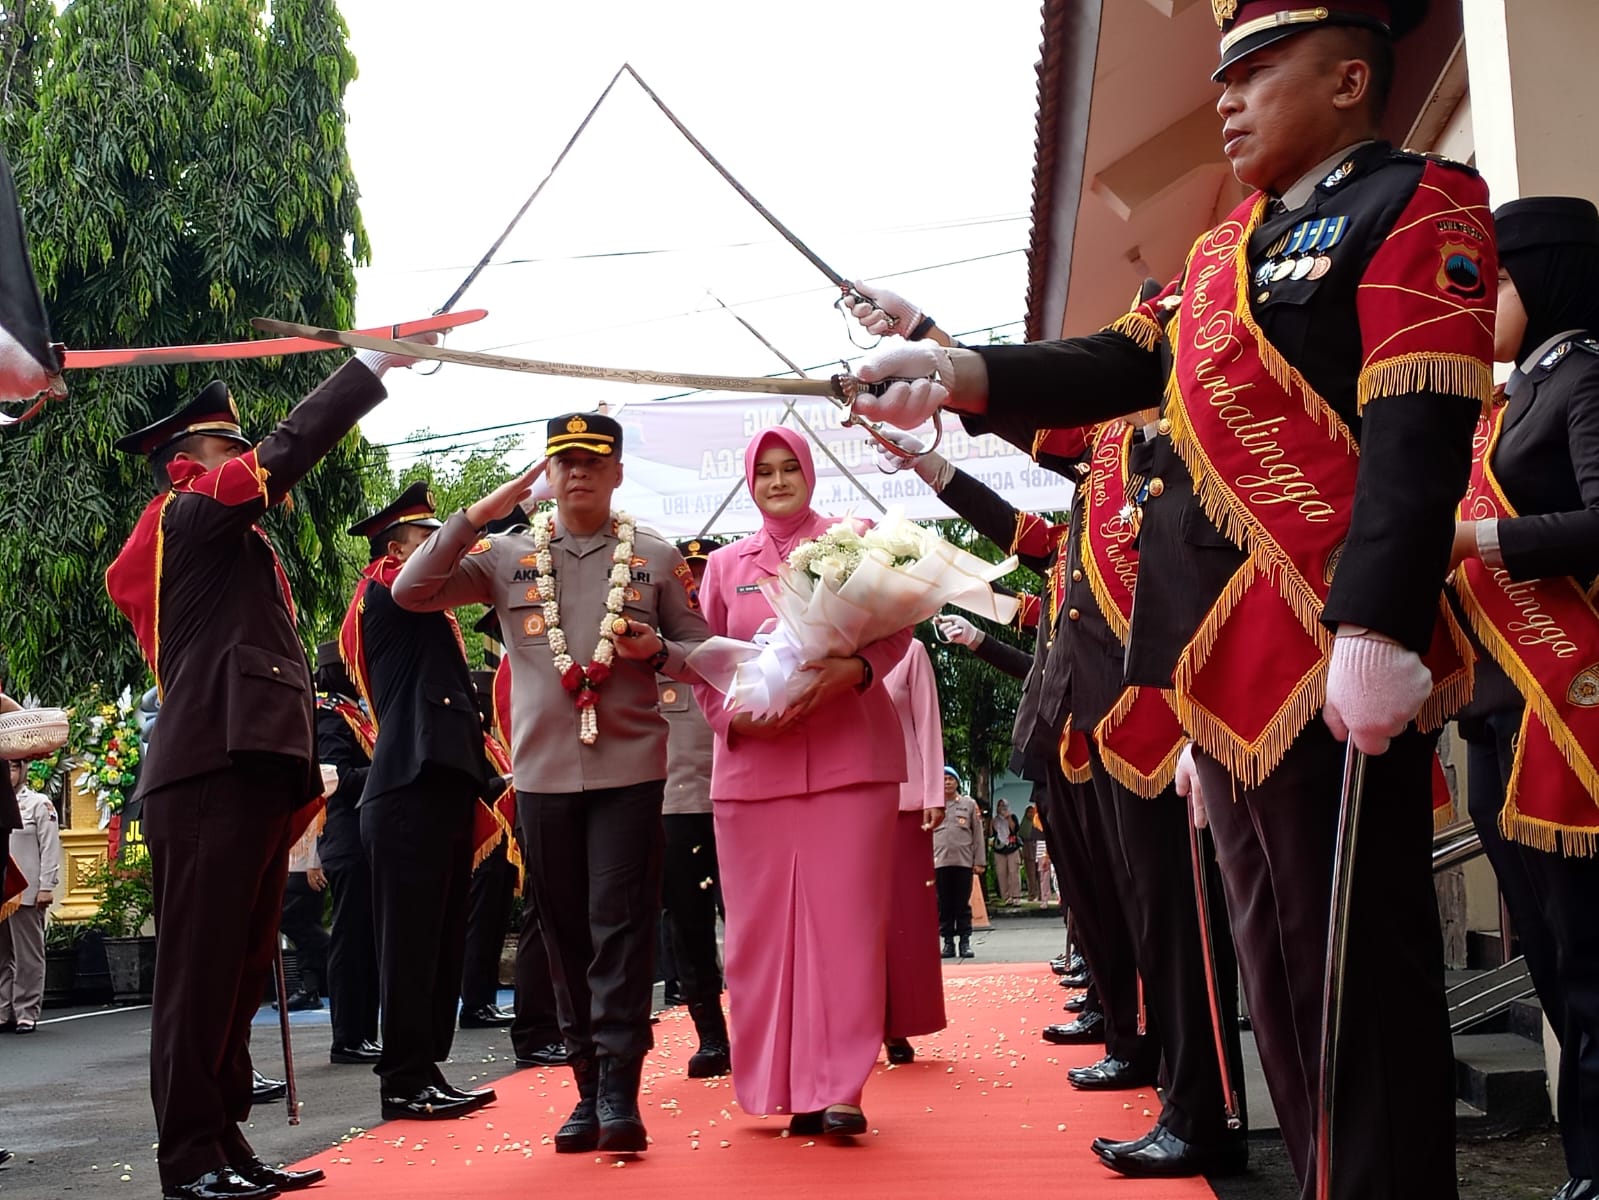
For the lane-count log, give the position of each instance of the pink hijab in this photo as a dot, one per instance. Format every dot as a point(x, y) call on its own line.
point(784, 532)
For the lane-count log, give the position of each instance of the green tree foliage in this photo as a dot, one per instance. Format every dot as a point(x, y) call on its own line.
point(182, 168)
point(978, 702)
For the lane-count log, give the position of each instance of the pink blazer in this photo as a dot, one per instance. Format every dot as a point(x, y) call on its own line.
point(914, 693)
point(853, 740)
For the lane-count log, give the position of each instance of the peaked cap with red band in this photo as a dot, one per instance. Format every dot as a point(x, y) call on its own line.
point(212, 412)
point(1249, 25)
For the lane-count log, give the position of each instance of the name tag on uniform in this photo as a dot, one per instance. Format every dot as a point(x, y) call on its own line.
point(748, 587)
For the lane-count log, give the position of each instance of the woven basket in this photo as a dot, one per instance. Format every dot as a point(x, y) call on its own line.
point(32, 732)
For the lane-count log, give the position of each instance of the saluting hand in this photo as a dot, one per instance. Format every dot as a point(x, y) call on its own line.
point(507, 497)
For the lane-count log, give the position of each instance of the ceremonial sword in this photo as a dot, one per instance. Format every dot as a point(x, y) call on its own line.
point(1332, 992)
point(1207, 948)
point(291, 1094)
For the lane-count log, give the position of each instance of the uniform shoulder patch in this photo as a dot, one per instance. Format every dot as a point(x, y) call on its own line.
point(1588, 343)
point(482, 545)
point(1428, 156)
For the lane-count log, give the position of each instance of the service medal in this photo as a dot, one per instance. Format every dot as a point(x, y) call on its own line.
point(1303, 267)
point(1322, 265)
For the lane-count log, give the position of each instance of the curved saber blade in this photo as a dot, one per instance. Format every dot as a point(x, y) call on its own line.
point(1229, 1094)
point(840, 388)
point(1332, 992)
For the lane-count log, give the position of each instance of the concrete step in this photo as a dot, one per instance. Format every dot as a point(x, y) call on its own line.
point(1502, 1076)
point(1525, 1019)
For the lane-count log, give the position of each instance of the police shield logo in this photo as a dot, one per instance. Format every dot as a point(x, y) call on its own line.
point(1460, 270)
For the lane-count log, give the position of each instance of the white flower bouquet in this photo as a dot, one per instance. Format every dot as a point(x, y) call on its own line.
point(853, 585)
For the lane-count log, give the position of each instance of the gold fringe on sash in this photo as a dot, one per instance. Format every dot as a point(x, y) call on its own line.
point(1122, 771)
point(10, 907)
point(490, 845)
point(1534, 831)
point(1443, 818)
point(1251, 762)
point(1452, 374)
point(1144, 331)
point(1073, 774)
point(1451, 694)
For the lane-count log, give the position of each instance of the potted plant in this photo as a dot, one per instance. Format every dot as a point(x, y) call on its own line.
point(61, 939)
point(126, 891)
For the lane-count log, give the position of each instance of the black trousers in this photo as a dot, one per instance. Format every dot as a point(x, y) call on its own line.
point(1153, 866)
point(418, 842)
point(1551, 899)
point(488, 918)
point(302, 925)
point(594, 859)
point(1082, 847)
point(352, 955)
point(688, 898)
point(1394, 1099)
point(953, 886)
point(219, 849)
point(537, 1023)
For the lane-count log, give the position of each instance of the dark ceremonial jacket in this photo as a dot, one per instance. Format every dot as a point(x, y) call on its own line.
point(210, 604)
point(414, 675)
point(1547, 463)
point(338, 745)
point(1077, 669)
point(1415, 448)
point(1002, 656)
point(10, 811)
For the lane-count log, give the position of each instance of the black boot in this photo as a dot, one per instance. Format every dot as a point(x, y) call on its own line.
point(621, 1127)
point(581, 1133)
point(712, 1058)
point(949, 947)
point(966, 947)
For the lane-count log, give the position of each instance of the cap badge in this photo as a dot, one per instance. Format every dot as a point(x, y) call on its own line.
point(1224, 11)
point(693, 547)
point(431, 503)
point(577, 425)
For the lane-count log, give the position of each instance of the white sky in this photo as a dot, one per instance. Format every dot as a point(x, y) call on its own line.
point(889, 137)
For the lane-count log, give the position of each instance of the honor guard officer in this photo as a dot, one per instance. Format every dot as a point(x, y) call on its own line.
point(1328, 348)
point(344, 741)
point(232, 758)
point(592, 607)
point(689, 872)
point(489, 896)
point(427, 774)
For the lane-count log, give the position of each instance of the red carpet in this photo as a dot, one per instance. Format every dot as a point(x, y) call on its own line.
point(985, 1108)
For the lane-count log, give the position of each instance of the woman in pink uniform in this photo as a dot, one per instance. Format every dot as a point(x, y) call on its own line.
point(915, 974)
point(804, 805)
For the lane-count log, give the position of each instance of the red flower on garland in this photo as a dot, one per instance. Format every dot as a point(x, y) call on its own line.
point(585, 682)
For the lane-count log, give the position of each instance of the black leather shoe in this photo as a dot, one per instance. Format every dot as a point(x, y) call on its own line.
point(1109, 1074)
point(1088, 1028)
point(552, 1055)
point(621, 1127)
point(966, 948)
point(1079, 979)
point(366, 1053)
point(900, 1051)
point(672, 997)
point(5, 1157)
point(222, 1184)
point(259, 1173)
point(488, 1016)
point(1574, 1189)
point(264, 1090)
point(805, 1124)
point(1167, 1156)
point(711, 1061)
point(581, 1132)
point(481, 1096)
point(1059, 965)
point(843, 1122)
point(1076, 1004)
point(949, 948)
point(430, 1104)
point(1105, 1146)
point(304, 1001)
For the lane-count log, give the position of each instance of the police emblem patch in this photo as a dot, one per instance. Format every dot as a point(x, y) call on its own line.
point(534, 625)
point(1584, 689)
point(480, 546)
point(668, 695)
point(1460, 269)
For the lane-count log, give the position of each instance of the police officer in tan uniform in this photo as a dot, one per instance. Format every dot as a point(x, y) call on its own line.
point(592, 607)
point(689, 876)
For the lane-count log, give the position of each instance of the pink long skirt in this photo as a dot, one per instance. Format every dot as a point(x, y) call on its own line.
point(807, 918)
point(915, 974)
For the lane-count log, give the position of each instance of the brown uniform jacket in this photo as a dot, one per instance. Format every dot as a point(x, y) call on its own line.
point(455, 566)
point(958, 841)
point(202, 587)
point(689, 746)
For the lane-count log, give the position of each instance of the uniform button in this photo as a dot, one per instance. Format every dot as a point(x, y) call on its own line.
point(1157, 485)
point(1077, 576)
point(446, 702)
point(275, 671)
point(1163, 426)
point(1072, 614)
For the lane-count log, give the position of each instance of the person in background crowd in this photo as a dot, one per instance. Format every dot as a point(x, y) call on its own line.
point(1004, 837)
point(1030, 835)
point(344, 741)
point(488, 905)
point(302, 921)
point(915, 979)
point(958, 854)
point(804, 805)
point(689, 871)
point(1532, 535)
point(36, 849)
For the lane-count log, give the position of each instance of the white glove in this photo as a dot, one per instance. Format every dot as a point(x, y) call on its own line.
point(379, 361)
point(882, 312)
point(958, 630)
point(1375, 687)
point(923, 375)
point(889, 463)
point(1188, 785)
